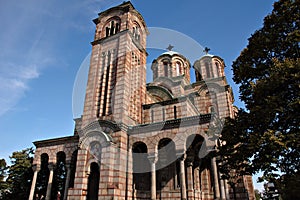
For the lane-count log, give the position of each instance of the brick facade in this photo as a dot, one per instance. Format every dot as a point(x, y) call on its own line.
point(138, 140)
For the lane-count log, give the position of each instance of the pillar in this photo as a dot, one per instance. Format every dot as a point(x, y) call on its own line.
point(190, 180)
point(49, 187)
point(36, 169)
point(222, 187)
point(182, 177)
point(153, 159)
point(226, 189)
point(68, 166)
point(197, 182)
point(216, 181)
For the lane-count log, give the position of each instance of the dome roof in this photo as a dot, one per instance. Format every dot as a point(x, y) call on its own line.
point(207, 55)
point(171, 53)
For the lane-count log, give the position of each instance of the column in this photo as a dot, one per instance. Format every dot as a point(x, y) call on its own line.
point(197, 182)
point(68, 166)
point(215, 174)
point(153, 159)
point(222, 187)
point(182, 177)
point(226, 189)
point(190, 180)
point(36, 169)
point(49, 187)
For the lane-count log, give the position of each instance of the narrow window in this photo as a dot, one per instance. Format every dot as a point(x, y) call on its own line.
point(112, 28)
point(217, 69)
point(166, 68)
point(207, 70)
point(117, 27)
point(106, 83)
point(107, 32)
point(152, 116)
point(164, 114)
point(175, 112)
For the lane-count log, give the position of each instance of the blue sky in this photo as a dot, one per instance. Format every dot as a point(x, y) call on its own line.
point(43, 43)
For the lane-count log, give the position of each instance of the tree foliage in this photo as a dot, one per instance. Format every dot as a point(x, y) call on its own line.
point(19, 176)
point(3, 184)
point(265, 136)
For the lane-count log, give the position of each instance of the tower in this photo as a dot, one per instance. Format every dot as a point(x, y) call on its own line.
point(116, 89)
point(117, 75)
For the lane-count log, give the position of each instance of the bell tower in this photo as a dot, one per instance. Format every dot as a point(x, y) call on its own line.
point(117, 75)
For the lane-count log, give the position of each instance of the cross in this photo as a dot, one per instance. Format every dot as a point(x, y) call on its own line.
point(170, 47)
point(206, 50)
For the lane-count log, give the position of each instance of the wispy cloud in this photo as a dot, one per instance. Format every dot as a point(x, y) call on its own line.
point(31, 40)
point(14, 80)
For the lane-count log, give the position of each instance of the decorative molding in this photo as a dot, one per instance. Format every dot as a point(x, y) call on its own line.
point(170, 124)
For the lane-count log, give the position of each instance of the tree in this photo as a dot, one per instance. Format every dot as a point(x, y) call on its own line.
point(19, 175)
point(264, 137)
point(257, 194)
point(3, 169)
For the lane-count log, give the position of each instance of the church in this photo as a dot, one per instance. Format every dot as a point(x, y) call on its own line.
point(138, 141)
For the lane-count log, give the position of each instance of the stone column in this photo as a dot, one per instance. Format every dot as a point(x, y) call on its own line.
point(153, 159)
point(197, 182)
point(222, 188)
point(36, 169)
point(226, 189)
point(215, 174)
point(68, 166)
point(49, 187)
point(190, 180)
point(182, 177)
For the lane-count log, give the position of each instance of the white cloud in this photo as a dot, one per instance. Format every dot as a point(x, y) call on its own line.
point(13, 84)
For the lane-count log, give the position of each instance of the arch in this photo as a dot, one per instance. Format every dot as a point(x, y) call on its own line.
point(193, 146)
point(211, 87)
point(166, 165)
point(60, 173)
point(97, 136)
point(141, 166)
point(161, 93)
point(93, 182)
point(112, 26)
point(43, 176)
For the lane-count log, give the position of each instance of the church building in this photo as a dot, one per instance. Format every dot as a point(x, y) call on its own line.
point(138, 141)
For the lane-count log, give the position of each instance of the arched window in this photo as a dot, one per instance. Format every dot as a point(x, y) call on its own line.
point(136, 32)
point(217, 68)
point(93, 182)
point(165, 64)
point(112, 27)
point(178, 68)
point(207, 70)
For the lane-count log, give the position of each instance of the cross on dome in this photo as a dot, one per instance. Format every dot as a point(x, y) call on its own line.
point(170, 47)
point(206, 50)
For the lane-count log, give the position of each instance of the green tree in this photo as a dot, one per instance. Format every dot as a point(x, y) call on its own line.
point(19, 175)
point(3, 169)
point(257, 194)
point(265, 136)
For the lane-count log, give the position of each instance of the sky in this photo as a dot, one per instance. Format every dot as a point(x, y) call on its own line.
point(43, 44)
